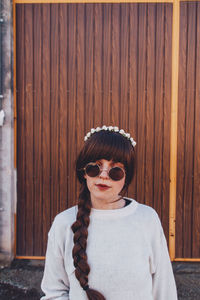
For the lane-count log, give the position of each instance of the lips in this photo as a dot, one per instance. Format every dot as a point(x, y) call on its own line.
point(102, 186)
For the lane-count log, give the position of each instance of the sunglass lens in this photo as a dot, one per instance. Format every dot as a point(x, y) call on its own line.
point(92, 170)
point(116, 173)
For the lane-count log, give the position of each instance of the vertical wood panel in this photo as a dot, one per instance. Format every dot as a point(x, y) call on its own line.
point(115, 76)
point(150, 114)
point(98, 49)
point(181, 131)
point(187, 243)
point(166, 118)
point(90, 64)
point(141, 102)
point(158, 130)
point(29, 127)
point(46, 123)
point(133, 92)
point(106, 63)
point(124, 57)
point(37, 125)
point(63, 163)
point(55, 110)
point(72, 102)
point(21, 200)
point(196, 206)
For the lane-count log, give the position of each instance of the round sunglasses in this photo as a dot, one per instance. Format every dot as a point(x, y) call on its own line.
point(94, 170)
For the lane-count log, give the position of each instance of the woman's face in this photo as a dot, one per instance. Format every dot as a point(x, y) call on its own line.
point(104, 190)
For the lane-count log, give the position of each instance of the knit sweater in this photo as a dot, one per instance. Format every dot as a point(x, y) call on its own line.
point(127, 254)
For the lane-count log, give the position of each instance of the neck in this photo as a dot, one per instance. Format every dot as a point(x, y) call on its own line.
point(116, 204)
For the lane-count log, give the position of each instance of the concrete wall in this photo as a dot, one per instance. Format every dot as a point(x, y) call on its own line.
point(7, 171)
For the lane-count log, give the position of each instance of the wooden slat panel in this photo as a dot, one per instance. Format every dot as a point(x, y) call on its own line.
point(21, 200)
point(28, 57)
point(150, 113)
point(96, 64)
point(166, 118)
point(89, 65)
point(55, 109)
point(196, 206)
point(98, 49)
point(46, 121)
point(72, 102)
point(37, 128)
point(133, 45)
point(181, 132)
point(158, 129)
point(63, 163)
point(188, 130)
point(141, 101)
point(106, 63)
point(81, 80)
point(115, 72)
point(124, 58)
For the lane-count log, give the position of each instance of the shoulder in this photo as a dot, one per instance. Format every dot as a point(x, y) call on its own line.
point(147, 217)
point(63, 221)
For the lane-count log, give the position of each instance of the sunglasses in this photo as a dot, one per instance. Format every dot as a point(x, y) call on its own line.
point(94, 170)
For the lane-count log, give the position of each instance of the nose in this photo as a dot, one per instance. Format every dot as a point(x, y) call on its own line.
point(104, 173)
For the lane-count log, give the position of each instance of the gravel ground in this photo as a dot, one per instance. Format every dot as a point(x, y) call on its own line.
point(22, 280)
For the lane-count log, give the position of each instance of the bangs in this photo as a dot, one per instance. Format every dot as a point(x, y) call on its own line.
point(107, 145)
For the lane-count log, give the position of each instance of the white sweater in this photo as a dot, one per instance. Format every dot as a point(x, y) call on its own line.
point(127, 254)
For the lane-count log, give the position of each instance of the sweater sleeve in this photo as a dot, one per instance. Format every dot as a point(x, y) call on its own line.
point(55, 283)
point(164, 287)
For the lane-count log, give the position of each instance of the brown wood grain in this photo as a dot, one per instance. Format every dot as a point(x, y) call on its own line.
point(196, 206)
point(37, 130)
point(21, 204)
point(150, 107)
point(124, 65)
point(159, 118)
point(181, 132)
point(28, 57)
point(189, 131)
point(89, 65)
point(115, 65)
point(55, 109)
point(106, 63)
point(133, 64)
point(166, 118)
point(86, 64)
point(64, 109)
point(46, 123)
point(142, 8)
point(72, 76)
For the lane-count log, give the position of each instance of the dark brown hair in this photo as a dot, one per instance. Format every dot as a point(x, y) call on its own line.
point(107, 145)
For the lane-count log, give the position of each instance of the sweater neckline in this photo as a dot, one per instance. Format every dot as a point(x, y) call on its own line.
point(119, 212)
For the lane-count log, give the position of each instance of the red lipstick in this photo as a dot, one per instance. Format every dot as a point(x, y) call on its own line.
point(102, 187)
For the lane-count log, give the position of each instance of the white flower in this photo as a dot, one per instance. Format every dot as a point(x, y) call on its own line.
point(98, 129)
point(92, 130)
point(116, 129)
point(88, 134)
point(85, 138)
point(110, 128)
point(122, 131)
point(128, 135)
point(134, 143)
point(104, 127)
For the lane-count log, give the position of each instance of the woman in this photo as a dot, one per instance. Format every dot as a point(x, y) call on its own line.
point(108, 247)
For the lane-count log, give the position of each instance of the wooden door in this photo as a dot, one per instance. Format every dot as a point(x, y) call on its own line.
point(81, 66)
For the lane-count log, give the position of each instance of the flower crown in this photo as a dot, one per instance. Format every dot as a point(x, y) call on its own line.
point(110, 128)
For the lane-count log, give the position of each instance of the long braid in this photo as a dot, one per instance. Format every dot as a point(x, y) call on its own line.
point(80, 230)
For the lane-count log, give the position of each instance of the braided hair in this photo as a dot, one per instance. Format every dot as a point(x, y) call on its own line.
point(101, 145)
